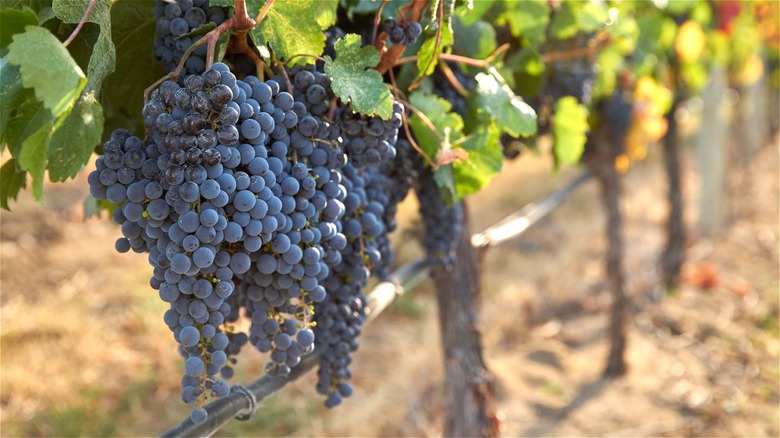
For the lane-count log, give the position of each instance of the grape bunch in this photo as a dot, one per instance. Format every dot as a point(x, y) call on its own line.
point(369, 141)
point(389, 185)
point(573, 76)
point(441, 223)
point(176, 19)
point(405, 32)
point(248, 203)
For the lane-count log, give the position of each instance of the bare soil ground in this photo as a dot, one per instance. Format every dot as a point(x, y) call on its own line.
point(84, 351)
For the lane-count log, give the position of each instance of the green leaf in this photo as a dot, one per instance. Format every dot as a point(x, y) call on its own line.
point(475, 41)
point(133, 29)
point(472, 11)
point(570, 126)
point(12, 21)
point(591, 16)
point(12, 94)
point(93, 207)
point(291, 28)
point(528, 19)
point(445, 181)
point(33, 158)
point(354, 82)
point(510, 112)
point(75, 139)
point(327, 13)
point(11, 182)
point(526, 60)
point(27, 119)
point(47, 67)
point(485, 160)
point(428, 56)
point(437, 111)
point(103, 59)
point(564, 23)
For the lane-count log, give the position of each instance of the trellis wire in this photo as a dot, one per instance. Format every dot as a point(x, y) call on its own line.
point(243, 401)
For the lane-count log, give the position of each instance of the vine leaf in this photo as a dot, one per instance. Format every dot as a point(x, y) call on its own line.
point(437, 111)
point(33, 157)
point(327, 13)
point(528, 19)
point(12, 96)
point(133, 29)
point(511, 114)
point(573, 17)
point(428, 56)
point(484, 161)
point(28, 118)
point(570, 126)
point(103, 59)
point(355, 82)
point(47, 68)
point(290, 28)
point(477, 40)
point(11, 182)
point(445, 181)
point(75, 139)
point(449, 130)
point(471, 11)
point(13, 21)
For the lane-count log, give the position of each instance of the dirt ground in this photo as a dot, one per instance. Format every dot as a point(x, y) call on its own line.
point(84, 350)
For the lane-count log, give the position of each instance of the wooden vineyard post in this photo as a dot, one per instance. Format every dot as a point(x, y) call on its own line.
point(711, 155)
point(673, 254)
point(469, 407)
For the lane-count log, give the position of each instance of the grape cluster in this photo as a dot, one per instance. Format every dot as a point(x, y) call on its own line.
point(248, 203)
point(405, 32)
point(176, 19)
point(389, 185)
point(369, 141)
point(618, 109)
point(572, 76)
point(441, 223)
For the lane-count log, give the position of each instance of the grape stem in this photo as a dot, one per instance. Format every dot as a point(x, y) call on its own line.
point(263, 12)
point(405, 122)
point(81, 23)
point(239, 44)
point(481, 63)
point(308, 55)
point(427, 123)
point(377, 20)
point(436, 48)
point(453, 80)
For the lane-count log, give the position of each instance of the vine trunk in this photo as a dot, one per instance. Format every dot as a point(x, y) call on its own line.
point(468, 387)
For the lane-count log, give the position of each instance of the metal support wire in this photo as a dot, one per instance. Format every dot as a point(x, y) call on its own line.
point(242, 401)
point(516, 223)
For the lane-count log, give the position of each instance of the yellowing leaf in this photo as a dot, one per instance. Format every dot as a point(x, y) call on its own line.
point(622, 163)
point(690, 41)
point(751, 71)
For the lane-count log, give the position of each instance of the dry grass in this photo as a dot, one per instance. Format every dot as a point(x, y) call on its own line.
point(84, 350)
